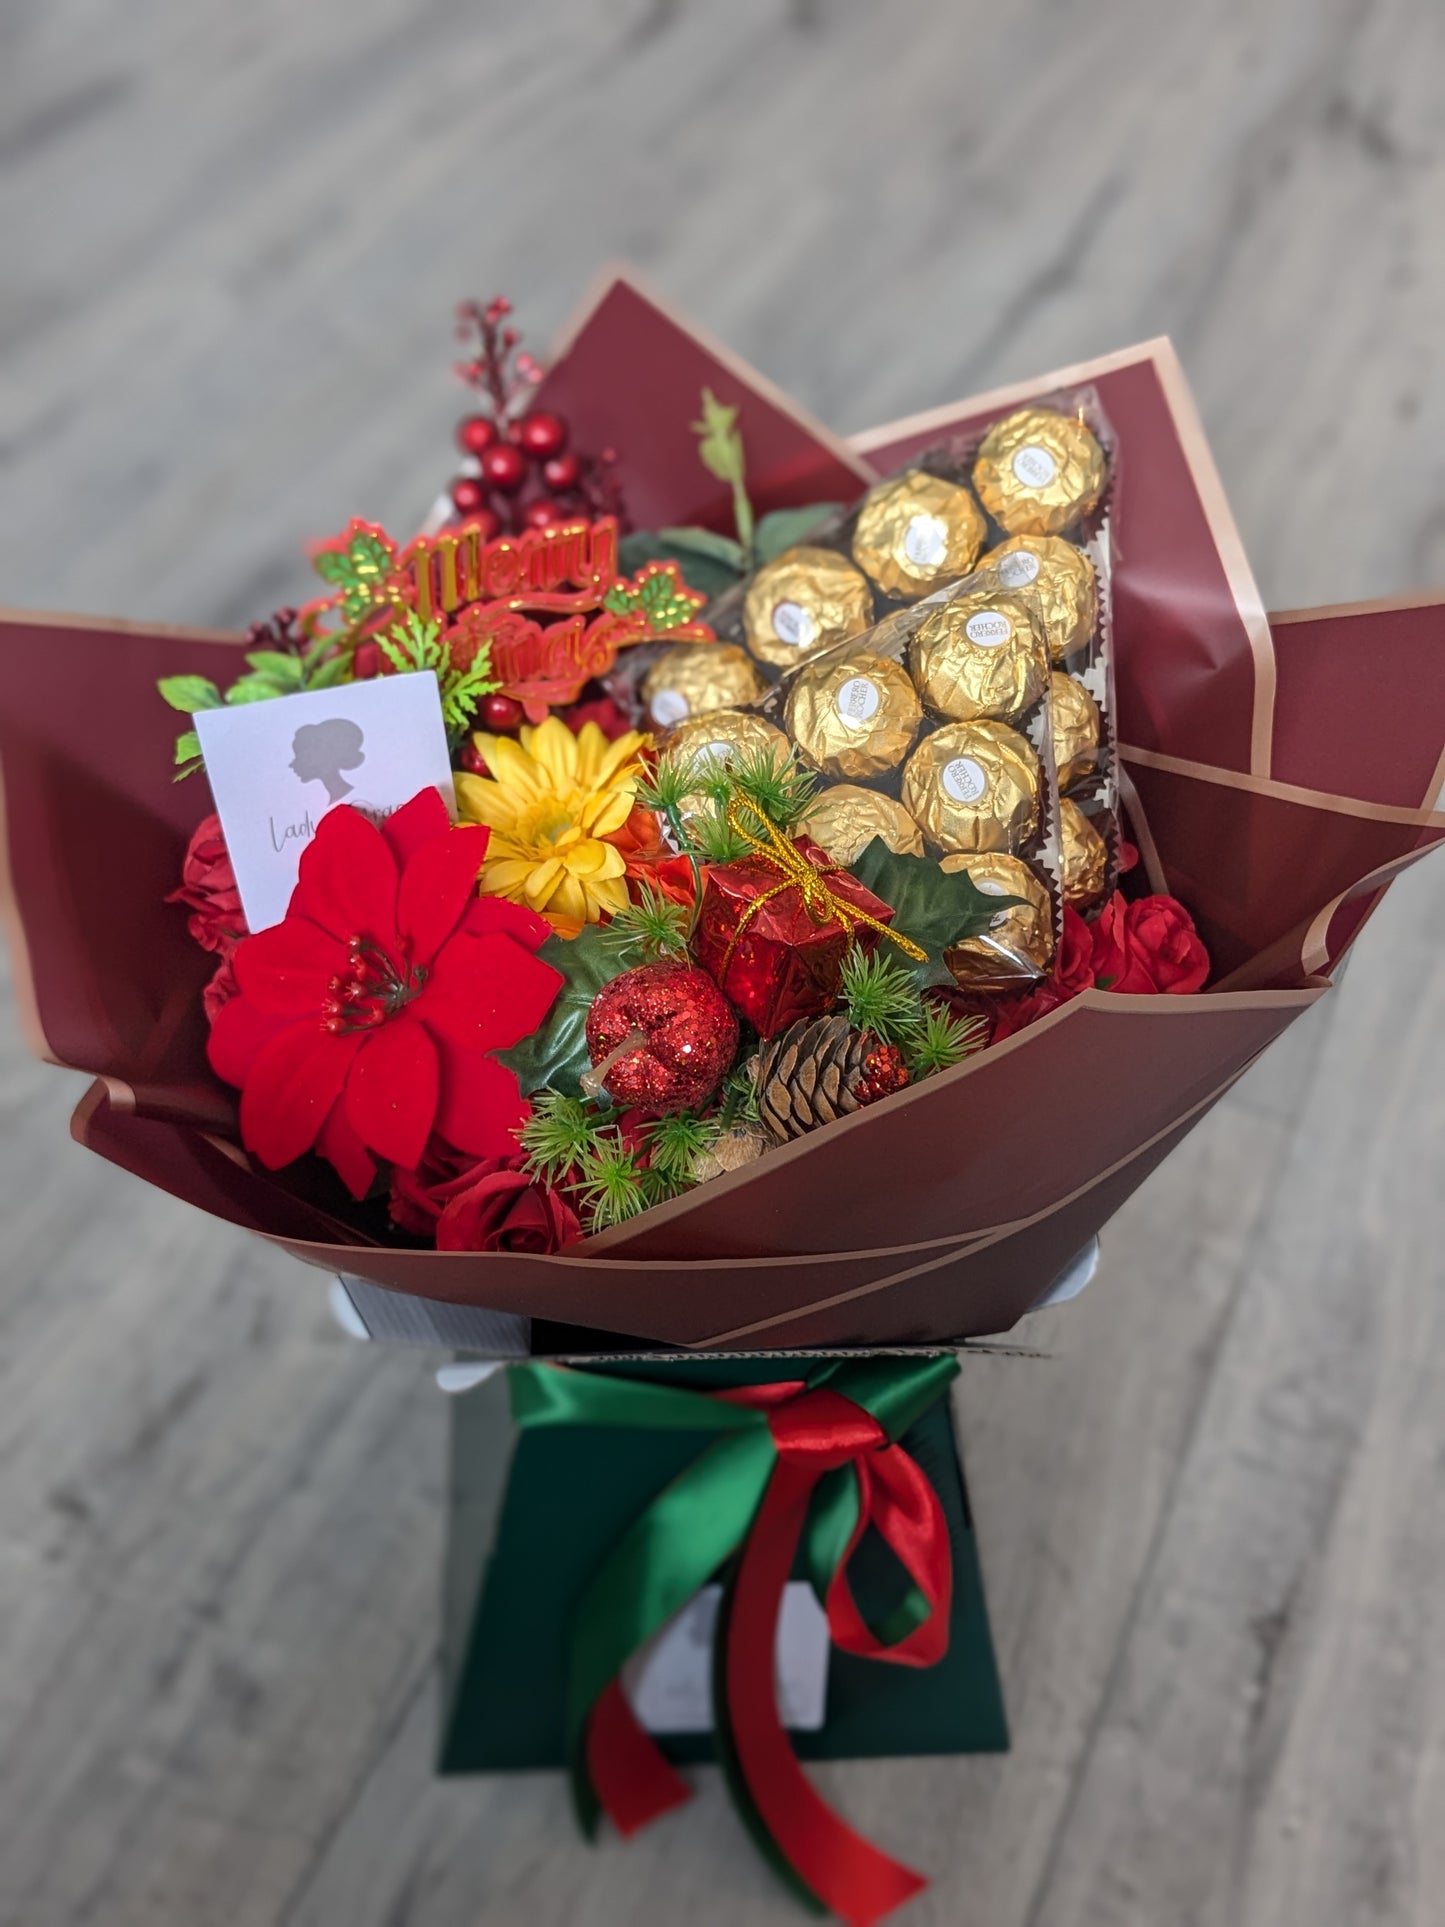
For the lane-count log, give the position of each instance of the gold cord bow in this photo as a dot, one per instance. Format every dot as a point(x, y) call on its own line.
point(822, 904)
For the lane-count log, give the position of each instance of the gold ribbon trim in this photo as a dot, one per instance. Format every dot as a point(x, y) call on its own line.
point(797, 873)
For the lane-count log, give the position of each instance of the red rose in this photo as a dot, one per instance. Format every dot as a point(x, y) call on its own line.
point(1147, 946)
point(1073, 972)
point(208, 889)
point(506, 1211)
point(420, 1195)
point(602, 710)
point(221, 988)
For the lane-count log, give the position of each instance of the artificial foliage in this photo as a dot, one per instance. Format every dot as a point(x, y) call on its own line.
point(413, 644)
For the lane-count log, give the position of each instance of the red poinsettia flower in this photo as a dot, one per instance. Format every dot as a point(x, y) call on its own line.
point(366, 1017)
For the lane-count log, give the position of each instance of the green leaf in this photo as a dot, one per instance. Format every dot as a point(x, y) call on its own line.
point(934, 907)
point(720, 446)
point(189, 693)
point(276, 666)
point(783, 528)
point(255, 689)
point(556, 1055)
point(336, 669)
point(710, 564)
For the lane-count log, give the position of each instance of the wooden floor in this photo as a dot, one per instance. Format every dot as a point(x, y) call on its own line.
point(1211, 1521)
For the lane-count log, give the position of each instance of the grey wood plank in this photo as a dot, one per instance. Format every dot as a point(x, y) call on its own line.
point(235, 236)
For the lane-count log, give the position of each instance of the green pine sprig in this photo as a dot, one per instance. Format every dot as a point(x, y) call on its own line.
point(561, 1135)
point(415, 644)
point(739, 1100)
point(614, 1184)
point(720, 446)
point(777, 787)
point(675, 1143)
point(881, 996)
point(945, 1040)
point(652, 925)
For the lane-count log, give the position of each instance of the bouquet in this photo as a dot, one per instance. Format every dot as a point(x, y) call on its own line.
point(725, 889)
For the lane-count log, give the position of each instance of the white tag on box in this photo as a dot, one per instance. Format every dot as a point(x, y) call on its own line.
point(276, 767)
point(669, 1682)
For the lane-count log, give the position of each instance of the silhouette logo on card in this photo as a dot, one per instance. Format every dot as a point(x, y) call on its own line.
point(321, 751)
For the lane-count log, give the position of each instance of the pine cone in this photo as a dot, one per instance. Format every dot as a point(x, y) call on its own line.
point(820, 1069)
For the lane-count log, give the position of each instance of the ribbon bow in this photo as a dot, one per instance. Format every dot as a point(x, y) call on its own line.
point(822, 904)
point(819, 1457)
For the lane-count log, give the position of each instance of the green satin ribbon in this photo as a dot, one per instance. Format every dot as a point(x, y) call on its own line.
point(678, 1543)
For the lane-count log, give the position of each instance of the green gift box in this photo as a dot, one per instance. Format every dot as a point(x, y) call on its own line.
point(534, 1513)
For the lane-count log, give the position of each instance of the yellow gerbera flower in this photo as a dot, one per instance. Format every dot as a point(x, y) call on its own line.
point(550, 801)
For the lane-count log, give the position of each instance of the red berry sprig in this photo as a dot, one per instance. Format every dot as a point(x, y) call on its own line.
point(523, 473)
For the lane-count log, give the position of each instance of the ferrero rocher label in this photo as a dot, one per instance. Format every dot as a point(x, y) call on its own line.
point(1074, 716)
point(845, 819)
point(853, 714)
point(1038, 472)
point(1062, 579)
point(974, 786)
point(1085, 856)
point(916, 532)
point(803, 600)
point(981, 654)
point(1018, 945)
point(696, 677)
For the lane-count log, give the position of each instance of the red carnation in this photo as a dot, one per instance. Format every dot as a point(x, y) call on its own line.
point(1146, 946)
point(208, 889)
point(366, 1017)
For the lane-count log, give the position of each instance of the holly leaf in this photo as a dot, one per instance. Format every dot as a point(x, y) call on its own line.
point(783, 528)
point(709, 563)
point(934, 907)
point(189, 693)
point(357, 563)
point(556, 1055)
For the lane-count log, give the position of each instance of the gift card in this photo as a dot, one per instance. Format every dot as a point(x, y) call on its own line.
point(669, 1681)
point(275, 769)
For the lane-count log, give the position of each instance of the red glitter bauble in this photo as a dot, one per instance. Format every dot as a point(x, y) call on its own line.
point(485, 521)
point(541, 434)
point(468, 495)
point(563, 473)
point(504, 466)
point(885, 1070)
point(501, 713)
point(542, 514)
point(671, 1034)
point(476, 434)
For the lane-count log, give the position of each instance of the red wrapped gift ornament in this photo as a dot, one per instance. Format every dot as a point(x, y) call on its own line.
point(775, 926)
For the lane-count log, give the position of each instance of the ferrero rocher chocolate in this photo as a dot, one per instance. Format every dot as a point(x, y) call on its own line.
point(1018, 944)
point(1074, 716)
point(1085, 856)
point(1038, 472)
point(916, 532)
point(845, 819)
point(1062, 579)
point(853, 714)
point(974, 786)
point(715, 738)
point(696, 677)
point(805, 599)
point(981, 654)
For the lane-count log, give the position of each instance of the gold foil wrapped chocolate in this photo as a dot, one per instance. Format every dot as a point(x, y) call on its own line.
point(845, 819)
point(974, 786)
point(1074, 716)
point(981, 654)
point(1018, 945)
point(916, 532)
point(1085, 856)
point(697, 677)
point(1063, 582)
point(1038, 472)
point(803, 600)
point(853, 714)
point(715, 738)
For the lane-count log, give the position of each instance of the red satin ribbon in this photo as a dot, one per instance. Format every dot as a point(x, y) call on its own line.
point(814, 1433)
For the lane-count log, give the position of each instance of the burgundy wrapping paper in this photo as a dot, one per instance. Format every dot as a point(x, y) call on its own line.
point(916, 1219)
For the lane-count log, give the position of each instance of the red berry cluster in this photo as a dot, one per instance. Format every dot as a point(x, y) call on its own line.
point(885, 1070)
point(523, 474)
